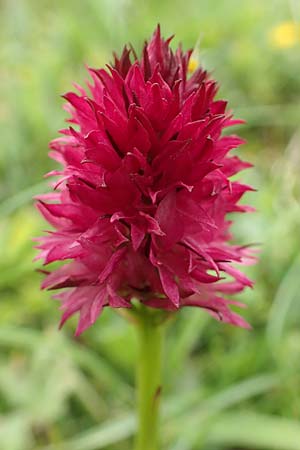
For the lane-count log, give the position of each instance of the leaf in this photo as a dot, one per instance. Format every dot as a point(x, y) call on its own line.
point(14, 432)
point(287, 293)
point(256, 431)
point(198, 419)
point(99, 437)
point(11, 204)
point(117, 430)
point(191, 325)
point(87, 359)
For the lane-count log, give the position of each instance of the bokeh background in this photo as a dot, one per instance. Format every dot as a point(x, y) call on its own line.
point(225, 388)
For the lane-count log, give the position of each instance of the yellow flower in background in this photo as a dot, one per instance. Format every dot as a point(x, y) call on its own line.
point(285, 35)
point(193, 64)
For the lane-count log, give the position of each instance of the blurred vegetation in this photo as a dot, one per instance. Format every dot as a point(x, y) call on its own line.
point(225, 388)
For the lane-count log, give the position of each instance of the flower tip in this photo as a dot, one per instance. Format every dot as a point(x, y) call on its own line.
point(78, 332)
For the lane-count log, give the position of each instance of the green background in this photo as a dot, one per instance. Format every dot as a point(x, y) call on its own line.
point(225, 388)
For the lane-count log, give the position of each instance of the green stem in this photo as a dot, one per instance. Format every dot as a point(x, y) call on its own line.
point(150, 333)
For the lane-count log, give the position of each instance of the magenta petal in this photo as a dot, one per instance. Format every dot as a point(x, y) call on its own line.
point(98, 304)
point(137, 236)
point(168, 220)
point(237, 274)
point(88, 301)
point(115, 300)
point(169, 285)
point(218, 308)
point(111, 264)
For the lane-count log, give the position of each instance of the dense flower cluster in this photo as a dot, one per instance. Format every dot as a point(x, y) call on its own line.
point(140, 208)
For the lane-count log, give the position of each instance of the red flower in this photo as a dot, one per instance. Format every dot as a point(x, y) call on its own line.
point(140, 209)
